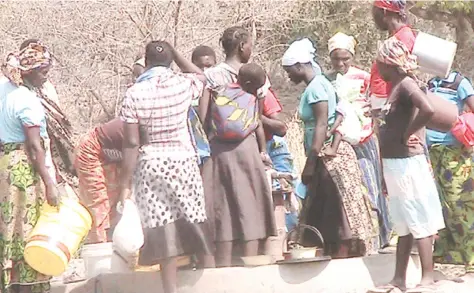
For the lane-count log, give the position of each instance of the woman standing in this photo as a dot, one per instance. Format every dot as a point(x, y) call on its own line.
point(243, 205)
point(157, 146)
point(335, 203)
point(60, 145)
point(414, 203)
point(342, 51)
point(26, 177)
point(454, 173)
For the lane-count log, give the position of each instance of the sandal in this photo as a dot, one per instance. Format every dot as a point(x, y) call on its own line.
point(389, 288)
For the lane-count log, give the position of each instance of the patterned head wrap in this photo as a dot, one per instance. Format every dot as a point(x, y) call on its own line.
point(342, 41)
point(35, 56)
point(393, 52)
point(397, 6)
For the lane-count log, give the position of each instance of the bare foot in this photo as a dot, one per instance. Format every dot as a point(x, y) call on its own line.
point(394, 286)
point(427, 280)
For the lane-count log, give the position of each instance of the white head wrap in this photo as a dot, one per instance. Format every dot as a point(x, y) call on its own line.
point(342, 41)
point(302, 52)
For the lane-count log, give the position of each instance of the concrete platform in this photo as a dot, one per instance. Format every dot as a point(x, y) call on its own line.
point(336, 276)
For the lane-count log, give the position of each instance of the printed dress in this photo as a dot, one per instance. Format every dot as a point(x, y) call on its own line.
point(167, 185)
point(21, 188)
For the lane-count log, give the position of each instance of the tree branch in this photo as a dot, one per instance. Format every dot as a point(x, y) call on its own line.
point(176, 23)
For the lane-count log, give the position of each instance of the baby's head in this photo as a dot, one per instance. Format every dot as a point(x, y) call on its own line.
point(203, 57)
point(251, 77)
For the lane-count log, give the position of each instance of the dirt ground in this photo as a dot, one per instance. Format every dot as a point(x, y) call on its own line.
point(450, 271)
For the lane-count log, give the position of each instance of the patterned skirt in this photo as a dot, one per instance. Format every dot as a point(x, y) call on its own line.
point(454, 173)
point(169, 194)
point(338, 206)
point(21, 197)
point(98, 186)
point(370, 166)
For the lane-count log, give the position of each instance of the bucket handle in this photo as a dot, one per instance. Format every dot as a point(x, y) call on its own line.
point(303, 227)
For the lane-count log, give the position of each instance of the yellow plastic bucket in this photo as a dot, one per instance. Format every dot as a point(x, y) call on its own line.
point(56, 237)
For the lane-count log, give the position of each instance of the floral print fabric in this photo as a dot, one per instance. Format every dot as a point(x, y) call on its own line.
point(453, 169)
point(21, 197)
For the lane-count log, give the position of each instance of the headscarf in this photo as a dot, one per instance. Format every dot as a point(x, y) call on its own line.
point(35, 56)
point(342, 41)
point(397, 6)
point(302, 52)
point(393, 52)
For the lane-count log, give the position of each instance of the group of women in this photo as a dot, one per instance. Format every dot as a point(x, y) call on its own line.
point(201, 191)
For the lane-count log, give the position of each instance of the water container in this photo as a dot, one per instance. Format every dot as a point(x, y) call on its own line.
point(100, 258)
point(435, 56)
point(56, 236)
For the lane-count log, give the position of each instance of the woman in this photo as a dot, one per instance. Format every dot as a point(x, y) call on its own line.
point(414, 203)
point(342, 51)
point(157, 146)
point(241, 184)
point(389, 16)
point(97, 158)
point(60, 145)
point(453, 169)
point(335, 202)
point(26, 177)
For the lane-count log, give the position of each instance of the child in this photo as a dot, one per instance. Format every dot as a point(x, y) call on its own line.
point(203, 57)
point(350, 124)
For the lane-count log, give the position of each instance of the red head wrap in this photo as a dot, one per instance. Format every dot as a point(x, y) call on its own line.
point(391, 5)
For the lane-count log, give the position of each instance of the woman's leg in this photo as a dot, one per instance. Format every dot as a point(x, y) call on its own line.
point(224, 254)
point(169, 275)
point(425, 250)
point(404, 246)
point(250, 248)
point(343, 249)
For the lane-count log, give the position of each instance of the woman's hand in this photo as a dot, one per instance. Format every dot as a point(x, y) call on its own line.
point(125, 194)
point(412, 141)
point(266, 158)
point(52, 195)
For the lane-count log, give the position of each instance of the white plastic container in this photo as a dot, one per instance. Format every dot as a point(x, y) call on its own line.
point(434, 55)
point(101, 259)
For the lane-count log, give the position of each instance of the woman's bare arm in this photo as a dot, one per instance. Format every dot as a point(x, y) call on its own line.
point(186, 65)
point(320, 113)
point(274, 124)
point(203, 107)
point(37, 154)
point(131, 144)
point(470, 102)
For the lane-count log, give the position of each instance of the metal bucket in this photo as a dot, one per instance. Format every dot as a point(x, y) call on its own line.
point(435, 56)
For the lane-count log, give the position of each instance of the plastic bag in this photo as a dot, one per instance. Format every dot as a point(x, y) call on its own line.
point(128, 234)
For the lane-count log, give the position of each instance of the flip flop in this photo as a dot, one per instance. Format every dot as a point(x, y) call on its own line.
point(422, 289)
point(389, 288)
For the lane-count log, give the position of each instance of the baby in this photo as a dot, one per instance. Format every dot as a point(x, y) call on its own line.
point(351, 123)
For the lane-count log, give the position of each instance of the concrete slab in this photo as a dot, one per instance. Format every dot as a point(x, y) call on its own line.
point(356, 275)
